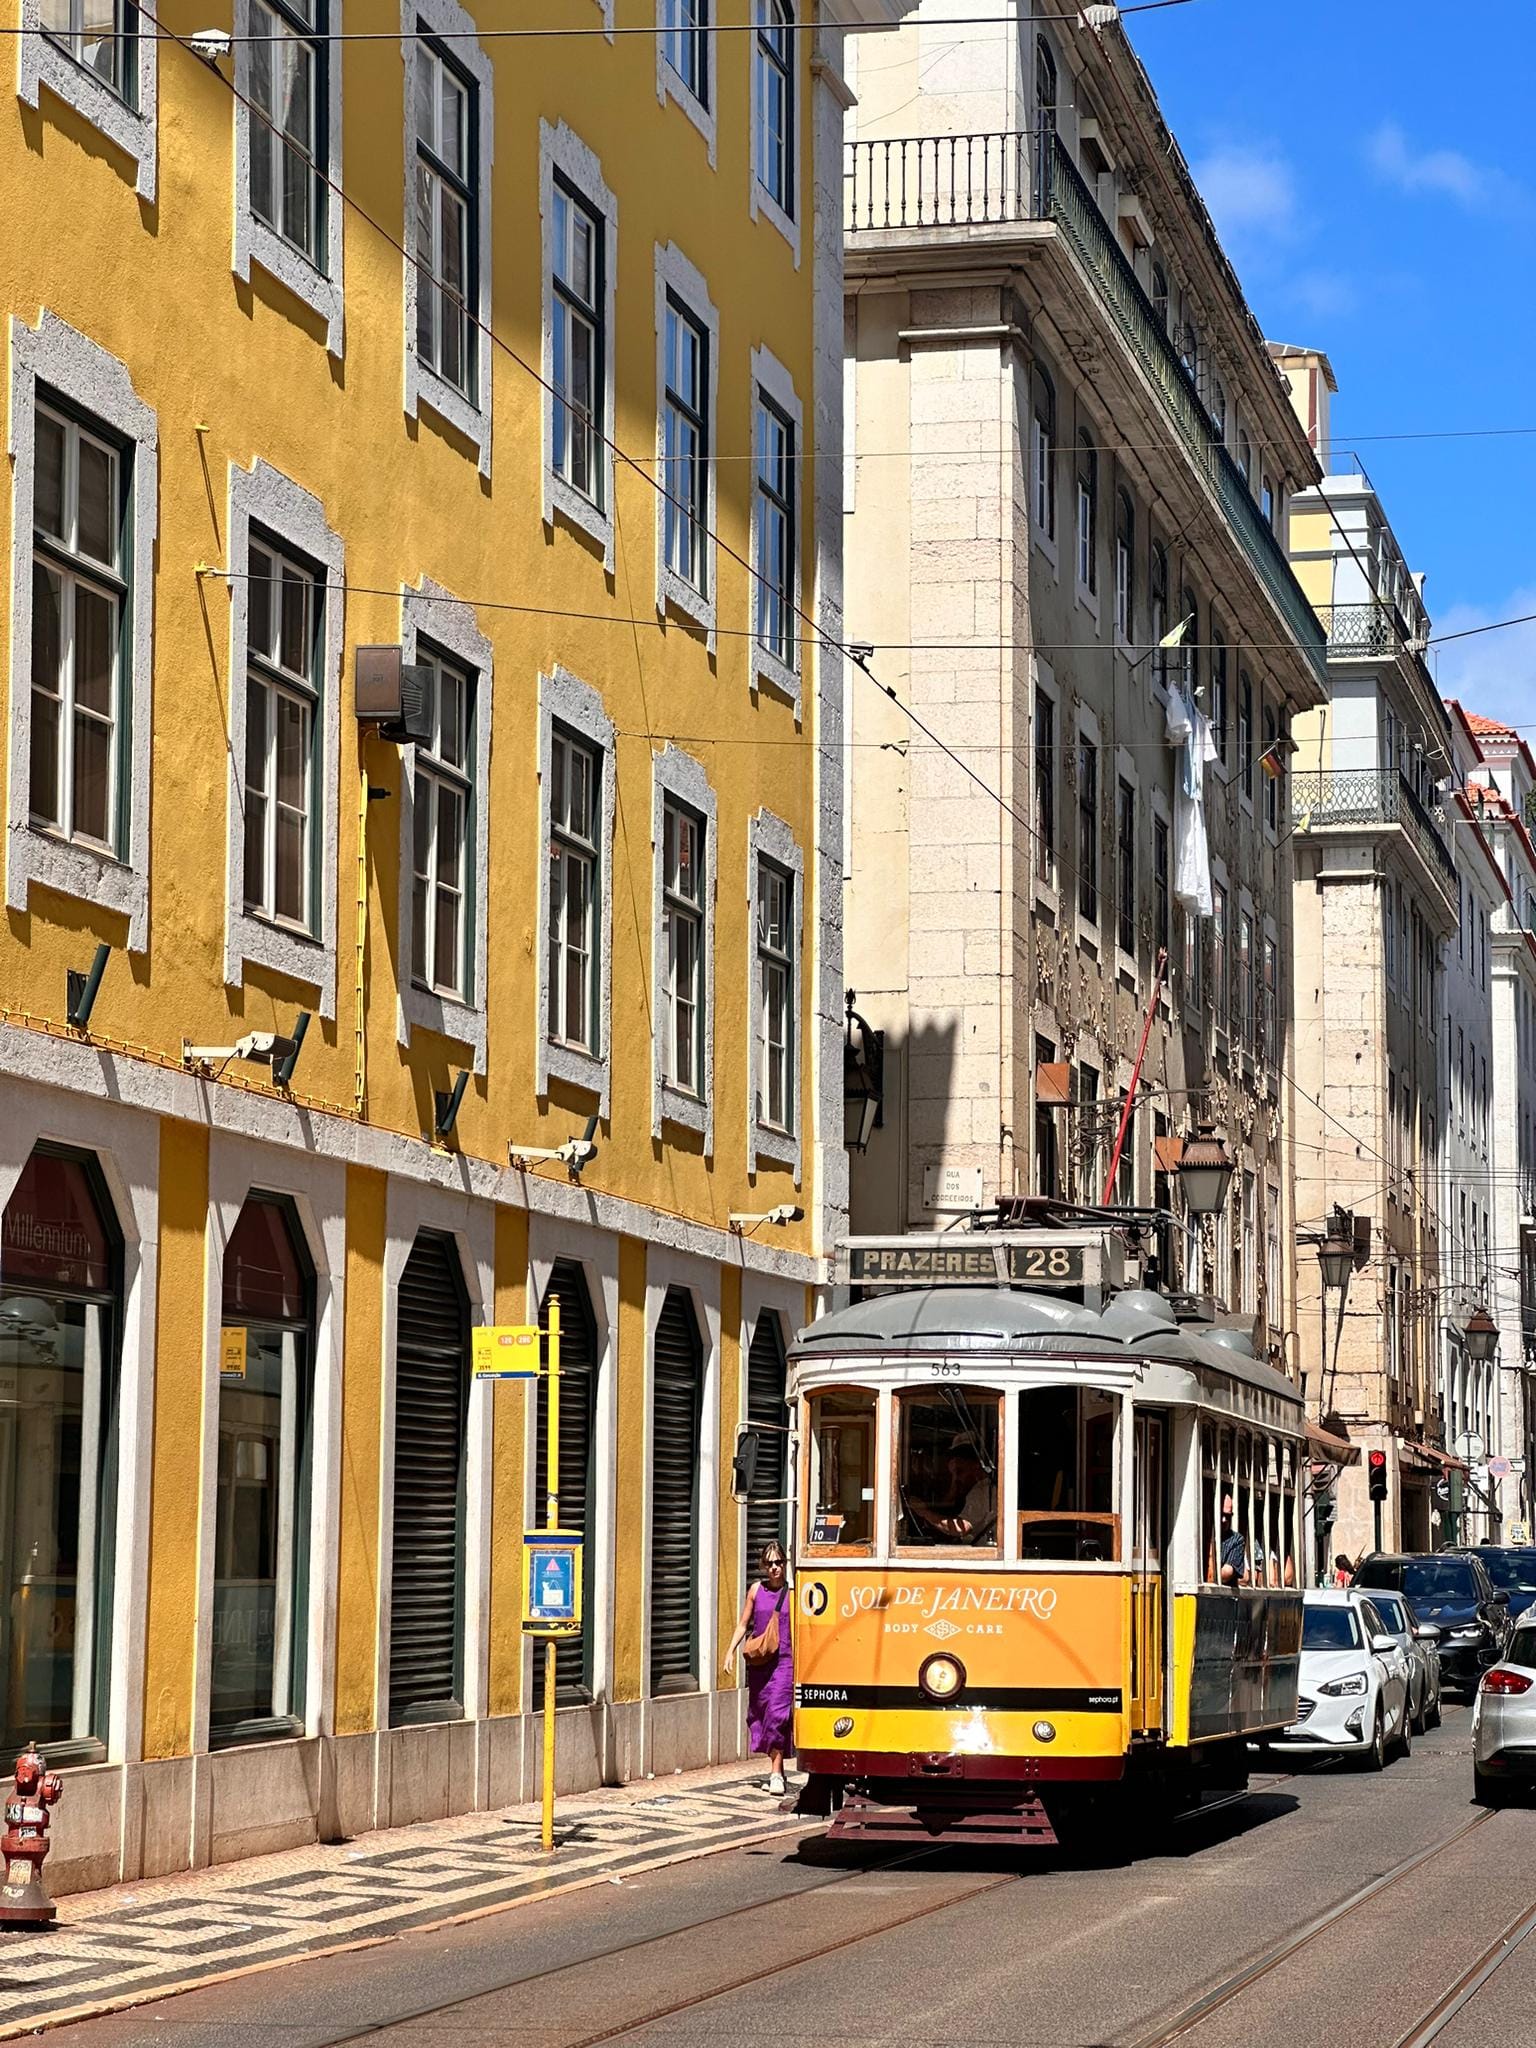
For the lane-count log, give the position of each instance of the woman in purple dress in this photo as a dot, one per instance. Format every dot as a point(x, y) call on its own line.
point(770, 1681)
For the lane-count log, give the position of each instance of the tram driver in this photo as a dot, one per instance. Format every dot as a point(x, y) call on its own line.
point(1234, 1550)
point(971, 1516)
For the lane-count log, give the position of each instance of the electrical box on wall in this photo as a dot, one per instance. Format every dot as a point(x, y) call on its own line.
point(392, 695)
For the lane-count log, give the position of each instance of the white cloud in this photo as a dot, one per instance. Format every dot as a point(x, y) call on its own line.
point(1445, 171)
point(1250, 192)
point(1494, 673)
point(1323, 294)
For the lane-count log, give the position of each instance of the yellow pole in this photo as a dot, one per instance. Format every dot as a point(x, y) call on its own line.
point(360, 1073)
point(551, 1521)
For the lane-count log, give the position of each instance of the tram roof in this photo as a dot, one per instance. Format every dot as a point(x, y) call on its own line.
point(1135, 1325)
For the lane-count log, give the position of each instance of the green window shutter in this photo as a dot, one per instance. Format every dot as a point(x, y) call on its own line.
point(676, 1410)
point(426, 1628)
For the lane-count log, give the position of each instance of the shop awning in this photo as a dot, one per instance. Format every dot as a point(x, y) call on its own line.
point(1337, 1450)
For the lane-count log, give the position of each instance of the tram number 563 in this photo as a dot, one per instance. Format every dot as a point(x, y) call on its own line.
point(944, 1369)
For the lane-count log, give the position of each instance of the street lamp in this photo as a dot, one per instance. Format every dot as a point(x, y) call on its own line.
point(1336, 1256)
point(1481, 1337)
point(1205, 1173)
point(863, 1079)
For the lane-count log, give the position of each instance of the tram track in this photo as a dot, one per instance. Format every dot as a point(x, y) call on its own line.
point(635, 2024)
point(1185, 2023)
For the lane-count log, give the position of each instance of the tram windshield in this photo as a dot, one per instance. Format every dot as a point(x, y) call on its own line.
point(842, 1469)
point(946, 1469)
point(1067, 1475)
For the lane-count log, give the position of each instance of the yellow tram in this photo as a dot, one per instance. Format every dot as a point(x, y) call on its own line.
point(1047, 1545)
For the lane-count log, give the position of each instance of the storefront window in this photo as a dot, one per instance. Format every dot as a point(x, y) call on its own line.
point(841, 1495)
point(60, 1279)
point(261, 1550)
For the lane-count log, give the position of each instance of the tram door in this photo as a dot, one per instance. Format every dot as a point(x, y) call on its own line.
point(1149, 1527)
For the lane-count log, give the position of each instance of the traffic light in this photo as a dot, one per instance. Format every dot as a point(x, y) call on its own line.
point(1376, 1461)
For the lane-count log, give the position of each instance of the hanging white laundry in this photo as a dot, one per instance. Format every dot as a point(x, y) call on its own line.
point(1190, 730)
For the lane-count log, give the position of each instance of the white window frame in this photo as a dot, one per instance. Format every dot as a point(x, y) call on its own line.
point(264, 497)
point(430, 612)
point(677, 276)
point(258, 242)
point(423, 386)
point(771, 836)
point(678, 777)
point(77, 369)
point(562, 150)
point(565, 700)
point(771, 378)
point(133, 129)
point(670, 84)
point(761, 202)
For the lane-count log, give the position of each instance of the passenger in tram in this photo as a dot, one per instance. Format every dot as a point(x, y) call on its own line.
point(972, 1513)
point(1234, 1549)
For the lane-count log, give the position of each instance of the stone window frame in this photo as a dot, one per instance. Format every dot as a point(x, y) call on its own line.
point(562, 149)
point(42, 62)
point(761, 203)
point(86, 376)
point(423, 385)
point(675, 274)
point(770, 835)
point(770, 377)
point(565, 699)
point(679, 776)
point(264, 497)
point(429, 612)
point(255, 240)
point(670, 86)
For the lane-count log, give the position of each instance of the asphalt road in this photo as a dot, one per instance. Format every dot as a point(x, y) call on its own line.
point(1326, 1907)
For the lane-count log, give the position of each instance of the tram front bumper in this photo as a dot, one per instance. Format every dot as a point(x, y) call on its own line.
point(937, 1767)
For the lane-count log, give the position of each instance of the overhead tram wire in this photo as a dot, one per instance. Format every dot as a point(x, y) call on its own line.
point(820, 633)
point(549, 32)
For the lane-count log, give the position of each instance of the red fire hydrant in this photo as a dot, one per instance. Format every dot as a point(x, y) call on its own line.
point(24, 1900)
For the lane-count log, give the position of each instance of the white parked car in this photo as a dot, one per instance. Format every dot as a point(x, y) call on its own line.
point(1353, 1695)
point(1504, 1719)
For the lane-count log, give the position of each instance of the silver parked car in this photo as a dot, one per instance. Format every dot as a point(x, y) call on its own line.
point(1419, 1642)
point(1504, 1718)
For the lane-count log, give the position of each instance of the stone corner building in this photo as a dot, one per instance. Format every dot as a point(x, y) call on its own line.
point(1068, 439)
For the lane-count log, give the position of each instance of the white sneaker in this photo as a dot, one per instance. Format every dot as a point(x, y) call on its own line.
point(776, 1781)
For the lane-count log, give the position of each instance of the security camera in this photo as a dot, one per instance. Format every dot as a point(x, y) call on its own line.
point(786, 1212)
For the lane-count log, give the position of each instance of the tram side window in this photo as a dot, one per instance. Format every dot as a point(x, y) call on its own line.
point(1209, 1501)
point(1247, 1508)
point(1067, 1475)
point(946, 1472)
point(841, 1494)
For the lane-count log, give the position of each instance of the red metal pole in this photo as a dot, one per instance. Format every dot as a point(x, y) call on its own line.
point(1130, 1093)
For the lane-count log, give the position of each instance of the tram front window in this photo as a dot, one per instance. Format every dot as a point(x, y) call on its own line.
point(946, 1471)
point(841, 1495)
point(1067, 1475)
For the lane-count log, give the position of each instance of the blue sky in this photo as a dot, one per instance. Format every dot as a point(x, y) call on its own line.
point(1373, 177)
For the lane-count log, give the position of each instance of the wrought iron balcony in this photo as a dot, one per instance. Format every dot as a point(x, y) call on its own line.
point(963, 181)
point(1368, 796)
point(1360, 631)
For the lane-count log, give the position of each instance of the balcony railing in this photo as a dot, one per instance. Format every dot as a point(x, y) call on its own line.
point(1359, 630)
point(959, 181)
point(936, 181)
point(1367, 796)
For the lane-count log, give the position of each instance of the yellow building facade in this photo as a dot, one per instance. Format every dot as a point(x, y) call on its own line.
point(509, 360)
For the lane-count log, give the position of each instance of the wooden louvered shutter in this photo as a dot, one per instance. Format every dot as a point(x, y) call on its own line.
point(767, 1509)
point(427, 1558)
point(578, 1415)
point(675, 1415)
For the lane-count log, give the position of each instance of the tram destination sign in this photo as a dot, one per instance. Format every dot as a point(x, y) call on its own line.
point(1043, 1260)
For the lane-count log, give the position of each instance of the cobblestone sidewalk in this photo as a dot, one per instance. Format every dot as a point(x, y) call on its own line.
point(118, 1947)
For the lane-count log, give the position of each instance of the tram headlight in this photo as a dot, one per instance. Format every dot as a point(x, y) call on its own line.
point(1044, 1731)
point(941, 1677)
point(842, 1726)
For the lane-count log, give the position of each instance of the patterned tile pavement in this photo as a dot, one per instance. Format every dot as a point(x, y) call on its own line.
point(118, 1947)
